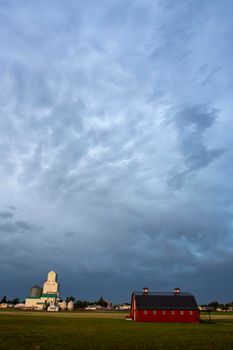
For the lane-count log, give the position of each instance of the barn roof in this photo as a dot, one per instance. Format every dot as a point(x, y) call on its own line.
point(165, 301)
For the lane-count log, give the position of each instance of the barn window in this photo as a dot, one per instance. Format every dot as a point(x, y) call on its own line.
point(154, 312)
point(163, 312)
point(145, 312)
point(190, 312)
point(182, 312)
point(172, 312)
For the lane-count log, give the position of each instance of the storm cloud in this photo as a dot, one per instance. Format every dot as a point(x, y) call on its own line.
point(116, 147)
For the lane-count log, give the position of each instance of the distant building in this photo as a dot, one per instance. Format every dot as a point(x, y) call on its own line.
point(20, 306)
point(94, 307)
point(70, 306)
point(108, 305)
point(42, 298)
point(164, 307)
point(63, 305)
point(123, 307)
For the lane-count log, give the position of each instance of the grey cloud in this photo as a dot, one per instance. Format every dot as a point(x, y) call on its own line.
point(23, 225)
point(198, 117)
point(70, 234)
point(8, 227)
point(16, 227)
point(5, 215)
point(12, 207)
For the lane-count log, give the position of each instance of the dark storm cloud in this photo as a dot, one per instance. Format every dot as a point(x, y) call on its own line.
point(70, 234)
point(116, 139)
point(192, 124)
point(16, 227)
point(12, 207)
point(5, 215)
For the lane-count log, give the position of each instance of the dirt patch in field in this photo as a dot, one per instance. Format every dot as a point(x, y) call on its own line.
point(81, 314)
point(217, 317)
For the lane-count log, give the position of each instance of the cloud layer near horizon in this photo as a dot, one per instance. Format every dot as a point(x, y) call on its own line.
point(115, 146)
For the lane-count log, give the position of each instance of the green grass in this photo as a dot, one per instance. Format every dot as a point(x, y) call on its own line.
point(39, 331)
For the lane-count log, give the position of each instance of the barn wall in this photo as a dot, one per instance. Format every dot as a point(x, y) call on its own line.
point(166, 316)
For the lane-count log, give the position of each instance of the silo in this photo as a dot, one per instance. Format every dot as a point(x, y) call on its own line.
point(36, 292)
point(70, 306)
point(63, 305)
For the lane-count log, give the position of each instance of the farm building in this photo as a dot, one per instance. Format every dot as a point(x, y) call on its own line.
point(164, 307)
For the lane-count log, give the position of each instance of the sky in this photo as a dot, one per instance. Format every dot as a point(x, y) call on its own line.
point(116, 148)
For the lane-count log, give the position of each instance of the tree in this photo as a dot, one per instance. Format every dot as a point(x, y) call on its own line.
point(214, 304)
point(4, 300)
point(79, 304)
point(68, 299)
point(15, 301)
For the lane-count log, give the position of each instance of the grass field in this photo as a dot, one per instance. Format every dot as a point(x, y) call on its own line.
point(90, 330)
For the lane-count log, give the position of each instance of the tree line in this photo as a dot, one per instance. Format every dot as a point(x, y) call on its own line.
point(80, 304)
point(214, 305)
point(7, 301)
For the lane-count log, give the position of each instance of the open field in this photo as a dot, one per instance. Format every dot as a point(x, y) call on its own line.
point(91, 330)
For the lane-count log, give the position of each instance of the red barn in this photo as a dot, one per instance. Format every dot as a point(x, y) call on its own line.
point(164, 307)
